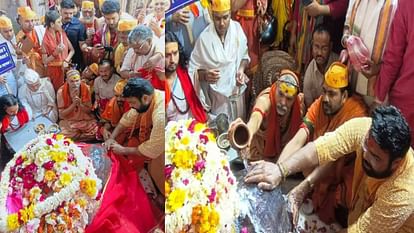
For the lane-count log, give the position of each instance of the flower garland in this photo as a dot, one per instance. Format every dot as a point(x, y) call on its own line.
point(49, 186)
point(200, 188)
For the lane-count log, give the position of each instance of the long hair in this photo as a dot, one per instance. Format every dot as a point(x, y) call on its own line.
point(171, 37)
point(7, 101)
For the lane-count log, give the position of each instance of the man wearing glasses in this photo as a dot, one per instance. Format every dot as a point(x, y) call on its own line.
point(383, 182)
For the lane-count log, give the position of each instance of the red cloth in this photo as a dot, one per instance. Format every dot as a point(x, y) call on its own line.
point(152, 76)
point(97, 38)
point(196, 108)
point(125, 207)
point(22, 117)
point(337, 8)
point(273, 145)
point(397, 72)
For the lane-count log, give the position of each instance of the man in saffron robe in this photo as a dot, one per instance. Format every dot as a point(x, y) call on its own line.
point(74, 105)
point(218, 63)
point(114, 110)
point(334, 107)
point(181, 100)
point(382, 187)
point(275, 118)
point(146, 119)
point(125, 26)
point(395, 80)
point(31, 36)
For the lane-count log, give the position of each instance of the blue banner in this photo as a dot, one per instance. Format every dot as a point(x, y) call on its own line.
point(178, 4)
point(6, 60)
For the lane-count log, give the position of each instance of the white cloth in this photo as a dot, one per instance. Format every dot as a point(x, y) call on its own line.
point(42, 101)
point(178, 95)
point(366, 26)
point(134, 62)
point(11, 80)
point(210, 53)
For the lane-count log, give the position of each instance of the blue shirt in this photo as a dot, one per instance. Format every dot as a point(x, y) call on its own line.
point(76, 32)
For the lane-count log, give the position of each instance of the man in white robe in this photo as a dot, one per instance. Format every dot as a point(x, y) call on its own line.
point(39, 94)
point(217, 64)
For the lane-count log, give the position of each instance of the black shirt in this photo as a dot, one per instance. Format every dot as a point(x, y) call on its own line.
point(76, 33)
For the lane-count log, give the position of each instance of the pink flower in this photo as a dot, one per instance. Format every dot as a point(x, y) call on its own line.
point(42, 198)
point(231, 181)
point(19, 160)
point(66, 143)
point(186, 181)
point(49, 165)
point(192, 126)
point(179, 134)
point(54, 136)
point(168, 170)
point(212, 196)
point(49, 142)
point(203, 138)
point(244, 230)
point(199, 165)
point(14, 202)
point(28, 182)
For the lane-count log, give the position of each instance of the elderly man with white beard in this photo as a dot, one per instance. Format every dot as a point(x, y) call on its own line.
point(39, 94)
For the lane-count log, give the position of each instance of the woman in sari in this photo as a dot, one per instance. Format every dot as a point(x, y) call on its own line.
point(56, 48)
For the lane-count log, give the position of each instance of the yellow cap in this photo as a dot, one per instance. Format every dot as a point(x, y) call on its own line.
point(5, 22)
point(217, 5)
point(26, 12)
point(88, 5)
point(125, 25)
point(73, 74)
point(119, 87)
point(94, 68)
point(337, 75)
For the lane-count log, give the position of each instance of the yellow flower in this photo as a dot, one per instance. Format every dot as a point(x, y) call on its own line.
point(34, 192)
point(184, 159)
point(56, 146)
point(167, 188)
point(59, 137)
point(82, 202)
point(58, 156)
point(88, 186)
point(198, 176)
point(185, 140)
point(211, 137)
point(12, 222)
point(175, 200)
point(50, 175)
point(27, 214)
point(199, 127)
point(65, 179)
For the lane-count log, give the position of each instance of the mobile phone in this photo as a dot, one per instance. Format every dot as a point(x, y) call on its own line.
point(306, 2)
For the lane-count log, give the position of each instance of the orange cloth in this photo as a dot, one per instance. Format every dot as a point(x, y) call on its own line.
point(250, 27)
point(273, 145)
point(35, 58)
point(113, 112)
point(139, 133)
point(336, 186)
point(85, 94)
point(55, 68)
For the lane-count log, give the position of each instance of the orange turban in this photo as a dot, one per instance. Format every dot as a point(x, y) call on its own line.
point(94, 68)
point(88, 5)
point(26, 12)
point(125, 25)
point(5, 22)
point(119, 86)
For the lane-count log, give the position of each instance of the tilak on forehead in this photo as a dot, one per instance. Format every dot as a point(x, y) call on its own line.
point(288, 82)
point(73, 74)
